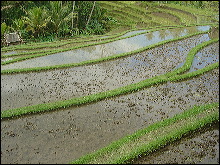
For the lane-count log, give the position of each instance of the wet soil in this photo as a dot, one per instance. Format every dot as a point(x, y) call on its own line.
point(11, 58)
point(12, 52)
point(206, 56)
point(67, 134)
point(48, 49)
point(181, 11)
point(207, 19)
point(33, 88)
point(108, 49)
point(201, 147)
point(169, 17)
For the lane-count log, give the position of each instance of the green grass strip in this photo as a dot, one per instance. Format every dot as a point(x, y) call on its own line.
point(101, 95)
point(185, 16)
point(60, 43)
point(190, 57)
point(6, 71)
point(48, 52)
point(193, 10)
point(71, 48)
point(55, 44)
point(69, 41)
point(112, 37)
point(63, 42)
point(153, 137)
point(51, 45)
point(170, 76)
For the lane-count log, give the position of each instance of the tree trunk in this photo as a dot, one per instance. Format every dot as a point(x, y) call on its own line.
point(91, 13)
point(73, 12)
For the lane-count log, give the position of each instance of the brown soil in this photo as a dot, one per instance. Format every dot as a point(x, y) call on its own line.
point(167, 16)
point(67, 134)
point(201, 147)
point(181, 11)
point(49, 86)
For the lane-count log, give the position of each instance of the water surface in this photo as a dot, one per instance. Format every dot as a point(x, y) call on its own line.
point(33, 88)
point(66, 134)
point(109, 49)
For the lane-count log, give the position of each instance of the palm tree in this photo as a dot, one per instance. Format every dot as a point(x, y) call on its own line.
point(37, 20)
point(60, 15)
point(91, 13)
point(18, 25)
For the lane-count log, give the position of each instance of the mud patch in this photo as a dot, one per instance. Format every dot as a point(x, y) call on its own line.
point(181, 11)
point(205, 57)
point(108, 49)
point(167, 16)
point(67, 134)
point(25, 89)
point(201, 147)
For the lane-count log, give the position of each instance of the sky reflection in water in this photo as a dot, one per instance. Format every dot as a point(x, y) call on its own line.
point(108, 49)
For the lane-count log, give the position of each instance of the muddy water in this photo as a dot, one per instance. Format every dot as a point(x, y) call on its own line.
point(68, 45)
point(198, 148)
point(205, 57)
point(7, 59)
point(65, 135)
point(104, 50)
point(10, 58)
point(25, 89)
point(207, 19)
point(9, 53)
point(133, 32)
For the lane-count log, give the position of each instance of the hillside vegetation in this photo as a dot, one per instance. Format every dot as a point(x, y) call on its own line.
point(62, 91)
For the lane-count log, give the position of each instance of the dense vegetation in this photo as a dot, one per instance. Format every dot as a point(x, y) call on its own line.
point(50, 20)
point(46, 20)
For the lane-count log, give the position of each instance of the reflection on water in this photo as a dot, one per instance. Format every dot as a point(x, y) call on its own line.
point(108, 49)
point(6, 59)
point(133, 32)
point(207, 19)
point(204, 57)
point(208, 55)
point(214, 33)
point(60, 84)
point(9, 53)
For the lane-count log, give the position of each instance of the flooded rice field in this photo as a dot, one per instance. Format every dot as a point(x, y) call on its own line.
point(61, 136)
point(199, 148)
point(206, 56)
point(134, 32)
point(68, 45)
point(49, 86)
point(12, 52)
point(108, 49)
point(67, 134)
point(207, 19)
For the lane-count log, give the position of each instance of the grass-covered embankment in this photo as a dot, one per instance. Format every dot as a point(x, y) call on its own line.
point(70, 41)
point(153, 137)
point(59, 50)
point(57, 45)
point(170, 76)
point(6, 71)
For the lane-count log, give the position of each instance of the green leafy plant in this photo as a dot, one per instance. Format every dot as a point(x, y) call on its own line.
point(4, 29)
point(37, 20)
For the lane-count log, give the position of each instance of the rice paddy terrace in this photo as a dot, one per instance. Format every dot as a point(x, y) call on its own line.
point(146, 92)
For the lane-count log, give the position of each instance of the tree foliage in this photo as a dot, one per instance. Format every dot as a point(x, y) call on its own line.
point(37, 20)
point(53, 18)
